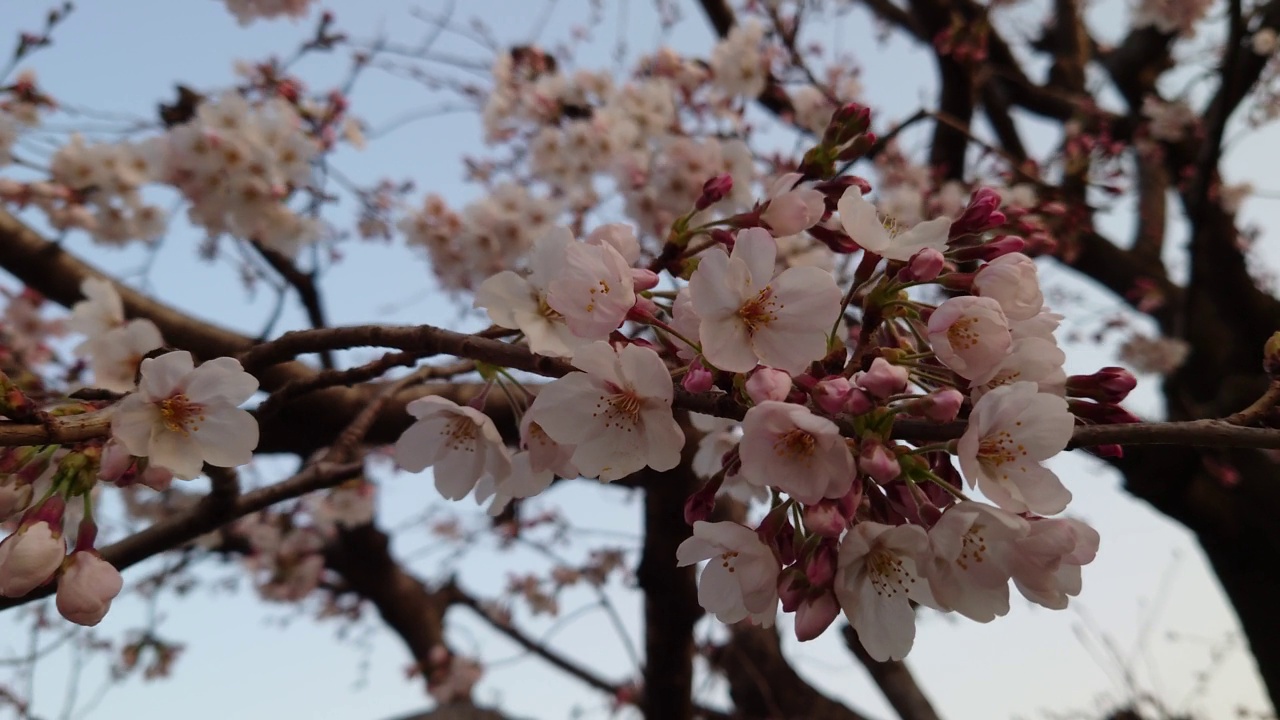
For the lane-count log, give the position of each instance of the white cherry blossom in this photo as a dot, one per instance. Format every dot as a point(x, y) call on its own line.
point(183, 416)
point(593, 291)
point(460, 444)
point(883, 236)
point(114, 356)
point(520, 302)
point(1012, 430)
point(787, 447)
point(616, 413)
point(741, 579)
point(1013, 281)
point(1032, 359)
point(749, 316)
point(1046, 563)
point(877, 577)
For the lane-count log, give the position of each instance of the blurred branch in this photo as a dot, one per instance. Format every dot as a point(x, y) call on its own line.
point(894, 679)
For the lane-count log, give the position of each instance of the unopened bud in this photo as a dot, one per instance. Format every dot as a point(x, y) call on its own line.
point(883, 379)
point(768, 384)
point(924, 266)
point(820, 566)
point(698, 379)
point(714, 190)
point(831, 393)
point(1108, 385)
point(815, 614)
point(825, 518)
point(878, 461)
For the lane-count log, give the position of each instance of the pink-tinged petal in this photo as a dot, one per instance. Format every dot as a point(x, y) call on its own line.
point(420, 444)
point(727, 345)
point(177, 452)
point(756, 248)
point(663, 436)
point(1041, 490)
point(720, 594)
point(930, 234)
point(221, 378)
point(131, 423)
point(504, 296)
point(456, 473)
point(566, 409)
point(694, 550)
point(599, 360)
point(643, 370)
point(430, 405)
point(163, 375)
point(547, 259)
point(860, 220)
point(227, 436)
point(886, 625)
point(719, 286)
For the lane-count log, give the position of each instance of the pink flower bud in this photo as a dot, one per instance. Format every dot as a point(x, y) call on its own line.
point(999, 247)
point(29, 558)
point(768, 384)
point(644, 279)
point(883, 379)
point(826, 518)
point(981, 215)
point(114, 463)
point(815, 615)
point(924, 266)
point(14, 497)
point(700, 504)
point(849, 504)
point(714, 190)
point(938, 406)
point(698, 379)
point(858, 402)
point(1101, 413)
point(1107, 451)
point(831, 393)
point(820, 567)
point(878, 461)
point(86, 588)
point(792, 588)
point(1108, 385)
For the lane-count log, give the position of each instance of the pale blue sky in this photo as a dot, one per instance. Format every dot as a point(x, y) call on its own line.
point(1149, 579)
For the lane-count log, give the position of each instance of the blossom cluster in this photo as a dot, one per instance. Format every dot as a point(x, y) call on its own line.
point(173, 418)
point(824, 369)
point(247, 11)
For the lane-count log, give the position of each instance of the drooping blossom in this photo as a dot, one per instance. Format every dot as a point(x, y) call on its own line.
point(1012, 430)
point(971, 557)
point(749, 317)
point(883, 236)
point(183, 416)
point(29, 557)
point(616, 412)
point(1046, 563)
point(971, 336)
point(460, 444)
point(877, 576)
point(741, 579)
point(786, 446)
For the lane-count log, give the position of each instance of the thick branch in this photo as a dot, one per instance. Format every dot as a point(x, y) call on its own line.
point(894, 679)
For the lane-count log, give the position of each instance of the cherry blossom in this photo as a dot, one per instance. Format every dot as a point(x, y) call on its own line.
point(1011, 431)
point(787, 447)
point(741, 579)
point(460, 443)
point(1046, 563)
point(593, 291)
point(1013, 281)
point(750, 317)
point(885, 237)
point(86, 588)
point(971, 336)
point(970, 564)
point(877, 576)
point(792, 208)
point(114, 356)
point(100, 311)
point(183, 416)
point(517, 302)
point(616, 413)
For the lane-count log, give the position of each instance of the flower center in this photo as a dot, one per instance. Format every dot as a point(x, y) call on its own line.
point(795, 444)
point(180, 415)
point(461, 435)
point(548, 312)
point(726, 560)
point(889, 576)
point(759, 311)
point(621, 409)
point(998, 449)
point(973, 548)
point(597, 293)
point(962, 335)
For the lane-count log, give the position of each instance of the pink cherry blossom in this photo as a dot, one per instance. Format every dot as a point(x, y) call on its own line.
point(1012, 430)
point(877, 577)
point(741, 580)
point(460, 443)
point(1013, 281)
point(1046, 563)
point(972, 546)
point(750, 317)
point(768, 384)
point(1032, 359)
point(86, 588)
point(114, 356)
point(971, 336)
point(787, 447)
point(884, 237)
point(517, 302)
point(183, 416)
point(616, 413)
point(593, 291)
